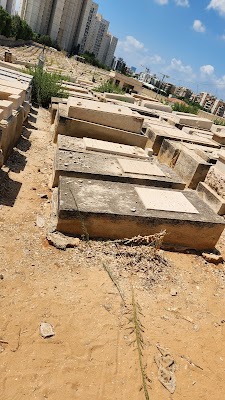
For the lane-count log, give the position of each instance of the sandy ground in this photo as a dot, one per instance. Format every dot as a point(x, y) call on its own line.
point(91, 355)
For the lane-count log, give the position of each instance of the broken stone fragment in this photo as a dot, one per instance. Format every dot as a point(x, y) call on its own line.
point(46, 330)
point(213, 258)
point(61, 241)
point(40, 221)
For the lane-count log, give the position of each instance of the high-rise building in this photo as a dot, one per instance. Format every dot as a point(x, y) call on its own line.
point(73, 24)
point(87, 28)
point(8, 5)
point(111, 51)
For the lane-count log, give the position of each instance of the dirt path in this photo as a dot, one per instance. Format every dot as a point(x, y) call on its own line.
point(91, 356)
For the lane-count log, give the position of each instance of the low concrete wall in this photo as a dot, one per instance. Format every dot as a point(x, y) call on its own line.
point(212, 117)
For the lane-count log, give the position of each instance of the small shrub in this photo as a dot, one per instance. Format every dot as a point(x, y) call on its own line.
point(45, 85)
point(219, 122)
point(185, 108)
point(109, 88)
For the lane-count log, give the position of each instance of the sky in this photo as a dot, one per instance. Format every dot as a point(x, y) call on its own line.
point(184, 39)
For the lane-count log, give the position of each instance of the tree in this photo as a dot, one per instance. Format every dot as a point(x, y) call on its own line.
point(5, 23)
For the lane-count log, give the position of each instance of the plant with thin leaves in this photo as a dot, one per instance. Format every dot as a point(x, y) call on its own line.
point(46, 85)
point(136, 328)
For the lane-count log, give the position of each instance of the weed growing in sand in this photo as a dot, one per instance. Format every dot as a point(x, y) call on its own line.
point(137, 329)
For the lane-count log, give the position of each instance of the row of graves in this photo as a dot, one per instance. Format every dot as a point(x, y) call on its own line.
point(126, 165)
point(15, 100)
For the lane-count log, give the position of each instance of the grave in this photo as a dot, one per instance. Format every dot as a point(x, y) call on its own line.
point(105, 114)
point(156, 106)
point(186, 120)
point(219, 137)
point(113, 168)
point(114, 148)
point(191, 167)
point(220, 165)
point(78, 144)
point(78, 128)
point(170, 150)
point(157, 134)
point(115, 210)
point(212, 198)
point(122, 97)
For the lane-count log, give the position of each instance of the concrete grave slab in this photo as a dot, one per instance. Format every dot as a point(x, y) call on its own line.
point(122, 97)
point(170, 201)
point(205, 133)
point(77, 144)
point(156, 106)
point(191, 168)
point(77, 128)
point(107, 167)
point(219, 137)
point(7, 107)
point(187, 120)
point(105, 114)
point(213, 199)
point(157, 134)
point(114, 148)
point(220, 165)
point(140, 167)
point(113, 210)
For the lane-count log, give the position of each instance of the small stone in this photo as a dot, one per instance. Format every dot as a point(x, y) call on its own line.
point(43, 196)
point(46, 330)
point(133, 209)
point(61, 241)
point(173, 292)
point(213, 258)
point(1, 277)
point(40, 221)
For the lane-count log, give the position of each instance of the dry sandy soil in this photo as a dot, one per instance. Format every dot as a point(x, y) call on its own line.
point(91, 355)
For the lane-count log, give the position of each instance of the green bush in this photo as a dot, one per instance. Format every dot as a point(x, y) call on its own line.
point(46, 85)
point(109, 87)
point(185, 108)
point(5, 23)
point(20, 29)
point(90, 59)
point(219, 122)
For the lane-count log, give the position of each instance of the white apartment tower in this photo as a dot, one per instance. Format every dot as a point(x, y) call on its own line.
point(111, 51)
point(60, 19)
point(8, 5)
point(87, 31)
point(73, 24)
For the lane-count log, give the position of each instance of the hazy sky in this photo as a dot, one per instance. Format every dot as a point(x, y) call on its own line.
point(184, 39)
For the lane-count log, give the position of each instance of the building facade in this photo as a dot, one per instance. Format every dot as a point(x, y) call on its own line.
point(73, 24)
point(9, 6)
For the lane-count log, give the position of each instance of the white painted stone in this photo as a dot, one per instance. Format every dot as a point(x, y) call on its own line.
point(114, 148)
point(139, 167)
point(165, 200)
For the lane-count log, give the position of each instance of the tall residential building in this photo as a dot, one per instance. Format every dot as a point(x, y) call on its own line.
point(73, 24)
point(8, 5)
point(87, 28)
point(60, 19)
point(111, 51)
